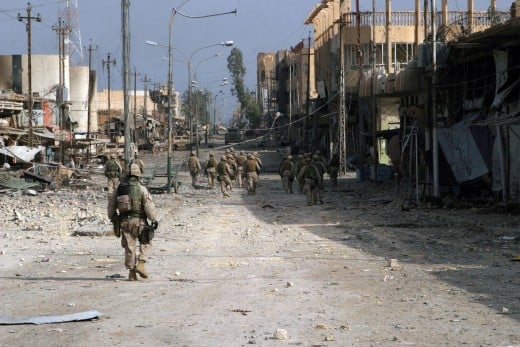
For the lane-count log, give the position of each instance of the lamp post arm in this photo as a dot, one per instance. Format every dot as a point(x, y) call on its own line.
point(205, 16)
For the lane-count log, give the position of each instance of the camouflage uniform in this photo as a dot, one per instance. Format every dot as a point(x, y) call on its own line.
point(286, 171)
point(251, 171)
point(298, 166)
point(311, 176)
point(241, 160)
point(322, 168)
point(223, 171)
point(334, 170)
point(230, 159)
point(258, 160)
point(139, 162)
point(132, 204)
point(211, 170)
point(194, 167)
point(113, 172)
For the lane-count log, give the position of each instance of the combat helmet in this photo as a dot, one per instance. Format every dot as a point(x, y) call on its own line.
point(135, 170)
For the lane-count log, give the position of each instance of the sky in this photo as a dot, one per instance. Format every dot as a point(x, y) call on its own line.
point(258, 26)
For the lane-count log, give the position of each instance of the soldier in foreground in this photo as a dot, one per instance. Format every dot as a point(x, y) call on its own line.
point(130, 207)
point(113, 172)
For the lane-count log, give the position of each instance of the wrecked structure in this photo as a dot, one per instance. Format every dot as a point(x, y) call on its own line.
point(447, 110)
point(59, 112)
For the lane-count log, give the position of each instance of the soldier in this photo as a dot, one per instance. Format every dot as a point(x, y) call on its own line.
point(311, 176)
point(139, 162)
point(333, 170)
point(300, 163)
point(241, 160)
point(258, 160)
point(251, 171)
point(223, 171)
point(232, 166)
point(286, 171)
point(130, 207)
point(211, 170)
point(322, 168)
point(113, 172)
point(194, 167)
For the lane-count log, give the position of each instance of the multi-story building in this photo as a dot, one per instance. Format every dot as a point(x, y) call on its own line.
point(366, 68)
point(286, 91)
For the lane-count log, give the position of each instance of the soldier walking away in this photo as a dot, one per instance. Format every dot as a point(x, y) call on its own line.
point(241, 160)
point(223, 172)
point(211, 170)
point(130, 207)
point(322, 168)
point(232, 167)
point(139, 162)
point(286, 171)
point(258, 160)
point(333, 170)
point(311, 176)
point(194, 167)
point(113, 172)
point(300, 163)
point(251, 171)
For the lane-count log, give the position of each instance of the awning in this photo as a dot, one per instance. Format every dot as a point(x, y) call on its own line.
point(22, 153)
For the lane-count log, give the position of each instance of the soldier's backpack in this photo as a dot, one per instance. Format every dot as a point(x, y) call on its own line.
point(111, 169)
point(129, 198)
point(311, 173)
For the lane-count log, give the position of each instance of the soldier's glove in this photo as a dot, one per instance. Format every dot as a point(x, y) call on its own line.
point(155, 225)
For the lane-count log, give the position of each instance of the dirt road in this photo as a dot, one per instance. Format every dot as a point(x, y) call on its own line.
point(230, 272)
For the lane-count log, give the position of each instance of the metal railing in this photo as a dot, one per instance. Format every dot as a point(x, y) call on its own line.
point(407, 18)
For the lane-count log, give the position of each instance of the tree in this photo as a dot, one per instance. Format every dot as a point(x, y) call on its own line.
point(196, 105)
point(247, 102)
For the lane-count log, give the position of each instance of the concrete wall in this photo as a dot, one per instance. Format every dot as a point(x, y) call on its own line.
point(79, 77)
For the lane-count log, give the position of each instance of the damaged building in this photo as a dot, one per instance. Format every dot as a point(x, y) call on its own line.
point(440, 118)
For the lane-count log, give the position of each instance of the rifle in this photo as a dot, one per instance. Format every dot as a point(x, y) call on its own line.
point(148, 232)
point(117, 224)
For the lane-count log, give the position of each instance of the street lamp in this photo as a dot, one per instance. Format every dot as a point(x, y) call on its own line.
point(170, 79)
point(228, 43)
point(215, 112)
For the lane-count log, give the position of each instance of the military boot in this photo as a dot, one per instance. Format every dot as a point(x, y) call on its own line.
point(132, 276)
point(141, 270)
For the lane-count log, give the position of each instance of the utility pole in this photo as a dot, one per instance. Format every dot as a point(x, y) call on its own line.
point(109, 62)
point(342, 111)
point(135, 106)
point(307, 120)
point(375, 156)
point(435, 140)
point(290, 97)
point(61, 30)
point(146, 80)
point(125, 9)
point(90, 50)
point(29, 18)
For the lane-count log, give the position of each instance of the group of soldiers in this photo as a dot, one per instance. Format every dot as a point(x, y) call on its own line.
point(309, 170)
point(234, 168)
point(132, 211)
